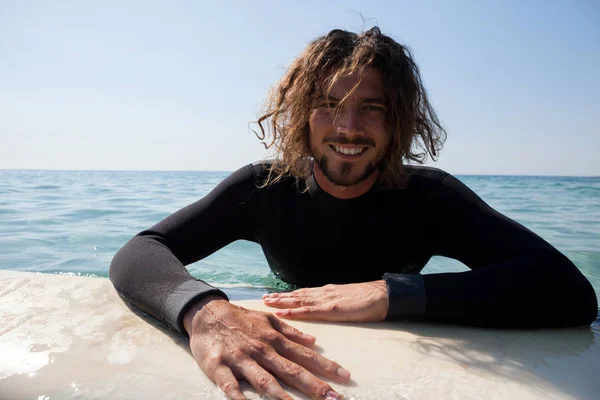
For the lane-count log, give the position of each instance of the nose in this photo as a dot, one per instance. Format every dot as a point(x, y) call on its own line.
point(349, 121)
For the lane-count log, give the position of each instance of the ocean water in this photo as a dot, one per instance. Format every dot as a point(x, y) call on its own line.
point(73, 222)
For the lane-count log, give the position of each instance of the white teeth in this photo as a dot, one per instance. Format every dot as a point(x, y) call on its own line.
point(349, 150)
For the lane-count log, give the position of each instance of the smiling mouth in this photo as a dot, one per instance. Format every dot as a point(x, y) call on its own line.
point(348, 151)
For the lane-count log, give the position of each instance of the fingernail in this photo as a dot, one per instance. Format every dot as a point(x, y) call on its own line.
point(308, 337)
point(331, 395)
point(342, 373)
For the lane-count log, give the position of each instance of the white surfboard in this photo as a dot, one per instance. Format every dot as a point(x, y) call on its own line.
point(67, 337)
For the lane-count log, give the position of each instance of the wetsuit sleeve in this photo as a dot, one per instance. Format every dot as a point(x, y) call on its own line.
point(149, 271)
point(516, 280)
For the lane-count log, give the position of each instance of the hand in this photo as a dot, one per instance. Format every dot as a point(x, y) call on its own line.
point(356, 302)
point(231, 343)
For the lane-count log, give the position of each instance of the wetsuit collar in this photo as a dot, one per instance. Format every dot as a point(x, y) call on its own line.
point(332, 203)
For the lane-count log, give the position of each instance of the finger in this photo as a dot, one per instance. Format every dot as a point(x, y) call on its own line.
point(312, 361)
point(273, 295)
point(310, 313)
point(295, 293)
point(262, 381)
point(225, 380)
point(280, 294)
point(297, 376)
point(290, 332)
point(286, 302)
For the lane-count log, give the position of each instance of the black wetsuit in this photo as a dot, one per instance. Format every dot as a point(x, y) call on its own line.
point(311, 238)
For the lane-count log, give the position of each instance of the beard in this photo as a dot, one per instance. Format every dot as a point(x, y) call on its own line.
point(347, 173)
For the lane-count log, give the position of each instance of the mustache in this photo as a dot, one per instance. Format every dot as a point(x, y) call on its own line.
point(359, 141)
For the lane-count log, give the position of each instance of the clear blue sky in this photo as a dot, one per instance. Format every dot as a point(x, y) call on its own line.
point(172, 85)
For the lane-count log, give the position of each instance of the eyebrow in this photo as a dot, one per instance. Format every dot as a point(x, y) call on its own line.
point(378, 100)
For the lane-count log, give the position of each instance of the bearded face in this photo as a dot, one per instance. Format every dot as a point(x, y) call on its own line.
point(349, 141)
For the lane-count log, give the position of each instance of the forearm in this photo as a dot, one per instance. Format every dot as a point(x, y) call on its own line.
point(147, 274)
point(535, 291)
point(517, 279)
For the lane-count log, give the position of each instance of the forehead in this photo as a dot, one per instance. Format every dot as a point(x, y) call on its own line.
point(371, 85)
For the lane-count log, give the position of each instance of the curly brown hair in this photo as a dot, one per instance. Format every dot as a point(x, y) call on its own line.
point(413, 124)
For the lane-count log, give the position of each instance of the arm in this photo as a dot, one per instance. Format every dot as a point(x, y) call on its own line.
point(517, 279)
point(228, 342)
point(149, 271)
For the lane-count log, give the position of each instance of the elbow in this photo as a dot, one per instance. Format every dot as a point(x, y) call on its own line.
point(122, 260)
point(587, 303)
point(579, 302)
point(124, 263)
point(117, 271)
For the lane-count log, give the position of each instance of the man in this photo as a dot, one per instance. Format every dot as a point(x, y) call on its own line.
point(341, 214)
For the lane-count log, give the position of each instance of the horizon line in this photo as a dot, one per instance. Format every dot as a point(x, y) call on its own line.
point(224, 171)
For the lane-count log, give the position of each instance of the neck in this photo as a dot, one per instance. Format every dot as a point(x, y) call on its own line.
point(344, 192)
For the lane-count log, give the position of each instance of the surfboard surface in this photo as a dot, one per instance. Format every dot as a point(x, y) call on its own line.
point(67, 337)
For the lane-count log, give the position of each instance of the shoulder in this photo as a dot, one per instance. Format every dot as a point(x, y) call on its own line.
point(255, 172)
point(434, 182)
point(424, 179)
point(264, 168)
point(261, 168)
point(423, 174)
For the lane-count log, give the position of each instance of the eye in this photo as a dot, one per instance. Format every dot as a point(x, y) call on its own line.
point(373, 107)
point(327, 104)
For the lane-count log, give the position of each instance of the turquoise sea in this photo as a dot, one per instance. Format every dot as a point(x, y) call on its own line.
point(73, 222)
